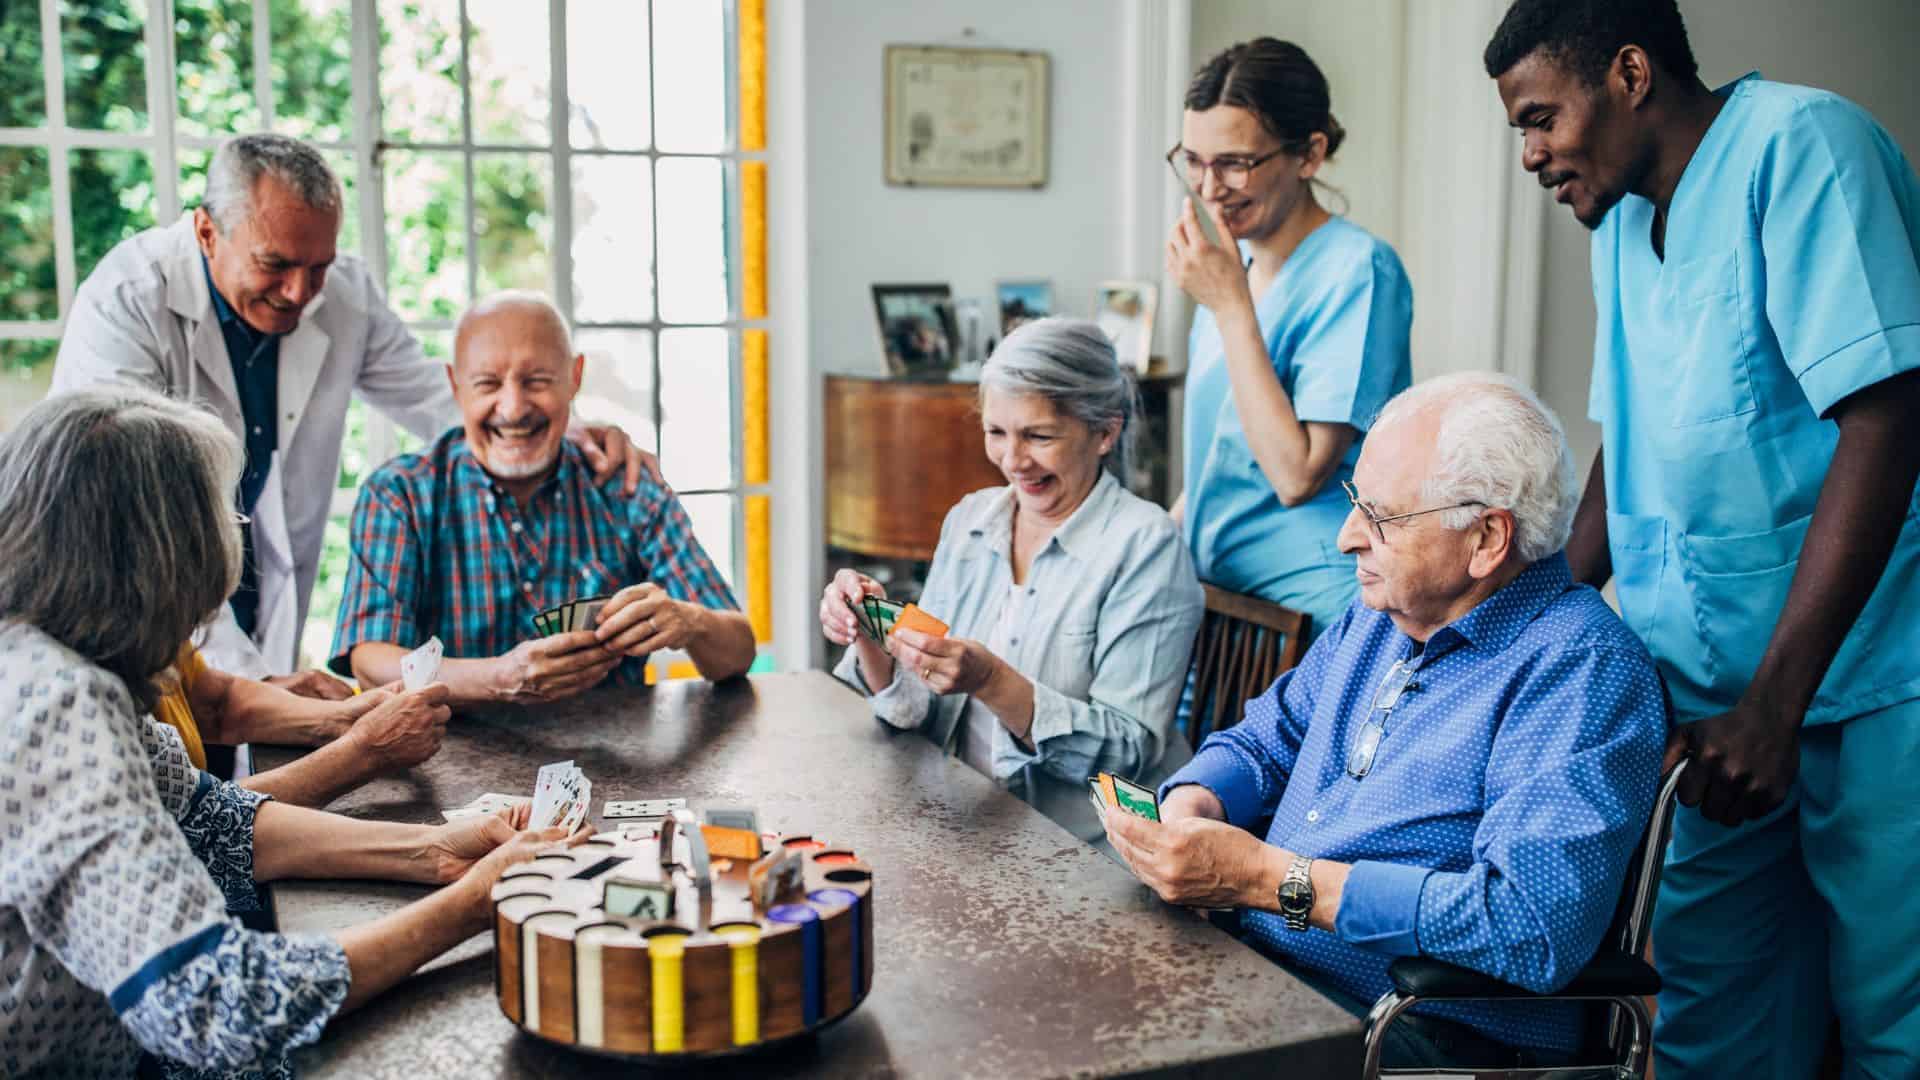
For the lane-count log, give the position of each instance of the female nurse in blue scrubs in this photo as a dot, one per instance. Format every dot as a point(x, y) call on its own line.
point(1300, 337)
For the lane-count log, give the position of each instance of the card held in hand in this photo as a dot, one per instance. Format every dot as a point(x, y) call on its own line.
point(421, 666)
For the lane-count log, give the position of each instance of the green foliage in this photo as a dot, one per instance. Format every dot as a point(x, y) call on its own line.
point(23, 89)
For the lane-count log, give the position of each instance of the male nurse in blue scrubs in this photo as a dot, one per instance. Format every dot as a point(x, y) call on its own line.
point(1757, 375)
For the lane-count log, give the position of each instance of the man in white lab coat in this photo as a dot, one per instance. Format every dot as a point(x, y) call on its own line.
point(246, 307)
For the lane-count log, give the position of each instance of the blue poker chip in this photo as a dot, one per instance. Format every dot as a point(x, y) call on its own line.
point(834, 897)
point(792, 913)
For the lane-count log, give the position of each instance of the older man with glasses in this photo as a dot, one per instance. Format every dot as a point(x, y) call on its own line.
point(1461, 766)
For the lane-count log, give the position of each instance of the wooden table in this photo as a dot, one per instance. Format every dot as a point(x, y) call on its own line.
point(1004, 946)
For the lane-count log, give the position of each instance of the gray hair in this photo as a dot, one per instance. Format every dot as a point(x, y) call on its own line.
point(240, 163)
point(1499, 446)
point(1071, 363)
point(117, 535)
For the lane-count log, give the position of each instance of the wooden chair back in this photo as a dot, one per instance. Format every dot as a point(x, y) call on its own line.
point(1243, 645)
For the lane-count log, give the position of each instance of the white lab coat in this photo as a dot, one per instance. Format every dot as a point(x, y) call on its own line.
point(145, 315)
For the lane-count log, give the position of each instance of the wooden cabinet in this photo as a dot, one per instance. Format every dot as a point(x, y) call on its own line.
point(899, 455)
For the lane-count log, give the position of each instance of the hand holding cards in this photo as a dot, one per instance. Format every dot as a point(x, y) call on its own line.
point(582, 613)
point(561, 796)
point(421, 666)
point(1119, 793)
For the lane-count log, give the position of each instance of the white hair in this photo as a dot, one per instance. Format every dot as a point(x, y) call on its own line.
point(240, 163)
point(1498, 446)
point(1071, 363)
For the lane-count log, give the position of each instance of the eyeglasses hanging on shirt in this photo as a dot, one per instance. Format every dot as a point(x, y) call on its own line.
point(1400, 680)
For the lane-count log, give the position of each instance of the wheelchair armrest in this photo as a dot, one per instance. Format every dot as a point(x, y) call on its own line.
point(1609, 974)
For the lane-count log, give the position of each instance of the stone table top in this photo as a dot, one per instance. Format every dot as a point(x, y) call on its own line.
point(1004, 946)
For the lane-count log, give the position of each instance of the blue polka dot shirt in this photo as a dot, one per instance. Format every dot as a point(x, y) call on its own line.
point(1503, 803)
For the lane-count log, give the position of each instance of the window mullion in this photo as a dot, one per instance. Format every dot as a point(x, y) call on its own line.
point(367, 120)
point(52, 67)
point(163, 105)
point(559, 121)
point(653, 216)
point(263, 62)
point(466, 150)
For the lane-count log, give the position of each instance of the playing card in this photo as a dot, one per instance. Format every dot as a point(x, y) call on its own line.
point(577, 809)
point(590, 612)
point(640, 808)
point(548, 792)
point(490, 803)
point(1099, 803)
point(421, 666)
point(1135, 800)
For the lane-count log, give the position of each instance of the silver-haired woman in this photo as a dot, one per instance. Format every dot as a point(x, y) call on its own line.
point(120, 860)
point(1072, 603)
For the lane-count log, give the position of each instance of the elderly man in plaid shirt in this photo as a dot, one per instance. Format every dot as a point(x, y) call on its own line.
point(501, 519)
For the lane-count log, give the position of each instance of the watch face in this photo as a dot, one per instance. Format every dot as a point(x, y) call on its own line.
point(1296, 898)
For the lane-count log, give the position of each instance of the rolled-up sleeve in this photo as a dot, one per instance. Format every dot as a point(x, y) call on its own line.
point(1144, 638)
point(1569, 787)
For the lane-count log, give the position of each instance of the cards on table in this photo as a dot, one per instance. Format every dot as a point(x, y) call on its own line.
point(641, 808)
point(421, 666)
point(576, 614)
point(561, 796)
point(880, 617)
point(1119, 793)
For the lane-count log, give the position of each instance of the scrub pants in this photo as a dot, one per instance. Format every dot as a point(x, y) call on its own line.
point(1763, 931)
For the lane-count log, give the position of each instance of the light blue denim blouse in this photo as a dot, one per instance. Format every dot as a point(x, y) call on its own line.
point(1111, 608)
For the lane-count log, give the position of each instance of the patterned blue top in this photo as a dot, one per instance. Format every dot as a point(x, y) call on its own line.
point(440, 549)
point(113, 932)
point(1502, 808)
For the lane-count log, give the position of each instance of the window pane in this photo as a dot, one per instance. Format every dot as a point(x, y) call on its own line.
point(690, 56)
point(193, 175)
point(694, 282)
point(26, 370)
point(27, 283)
point(426, 234)
point(342, 164)
point(420, 70)
point(112, 200)
point(696, 408)
point(213, 40)
point(313, 69)
point(23, 87)
point(104, 43)
point(512, 222)
point(612, 239)
point(616, 384)
point(712, 517)
point(510, 55)
point(607, 74)
point(356, 448)
point(438, 347)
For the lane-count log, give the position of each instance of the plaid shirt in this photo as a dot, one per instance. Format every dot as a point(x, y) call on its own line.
point(440, 549)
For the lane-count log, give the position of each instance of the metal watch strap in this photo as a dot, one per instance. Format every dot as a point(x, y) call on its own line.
point(1300, 872)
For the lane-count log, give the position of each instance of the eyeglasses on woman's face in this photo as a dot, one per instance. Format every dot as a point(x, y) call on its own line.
point(1232, 170)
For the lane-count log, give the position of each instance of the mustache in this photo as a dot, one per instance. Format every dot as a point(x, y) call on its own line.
point(1552, 180)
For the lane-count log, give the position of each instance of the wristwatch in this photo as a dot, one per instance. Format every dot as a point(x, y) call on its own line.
point(1296, 893)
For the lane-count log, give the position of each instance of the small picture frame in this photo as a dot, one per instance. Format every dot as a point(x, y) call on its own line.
point(1022, 301)
point(1124, 311)
point(916, 328)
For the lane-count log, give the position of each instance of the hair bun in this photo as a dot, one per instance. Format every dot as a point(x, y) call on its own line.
point(1335, 135)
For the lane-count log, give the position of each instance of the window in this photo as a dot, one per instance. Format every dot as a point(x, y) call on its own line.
point(607, 152)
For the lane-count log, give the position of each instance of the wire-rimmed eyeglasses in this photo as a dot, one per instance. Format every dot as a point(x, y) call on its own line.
point(1366, 742)
point(1353, 496)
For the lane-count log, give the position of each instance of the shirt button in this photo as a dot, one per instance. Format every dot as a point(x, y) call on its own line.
point(256, 429)
point(515, 526)
point(1313, 815)
point(1015, 641)
point(526, 586)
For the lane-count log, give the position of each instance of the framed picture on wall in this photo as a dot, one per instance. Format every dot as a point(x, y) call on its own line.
point(1022, 301)
point(916, 328)
point(966, 117)
point(1124, 310)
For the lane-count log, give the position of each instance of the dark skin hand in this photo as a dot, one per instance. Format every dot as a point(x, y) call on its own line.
point(1745, 759)
point(1587, 554)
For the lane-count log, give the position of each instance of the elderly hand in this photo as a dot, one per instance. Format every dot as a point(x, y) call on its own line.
point(453, 848)
point(837, 602)
point(554, 667)
point(948, 665)
point(1213, 276)
point(642, 619)
point(311, 684)
point(1744, 760)
point(608, 450)
point(1195, 861)
point(405, 729)
point(484, 874)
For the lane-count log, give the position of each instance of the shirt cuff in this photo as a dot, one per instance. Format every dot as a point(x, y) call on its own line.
point(1052, 716)
point(1872, 359)
point(1380, 907)
point(1231, 780)
point(902, 703)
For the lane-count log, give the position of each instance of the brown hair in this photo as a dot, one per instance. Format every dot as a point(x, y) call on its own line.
point(1276, 81)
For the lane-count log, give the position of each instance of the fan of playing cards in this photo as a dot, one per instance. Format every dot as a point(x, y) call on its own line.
point(561, 796)
point(879, 618)
point(573, 615)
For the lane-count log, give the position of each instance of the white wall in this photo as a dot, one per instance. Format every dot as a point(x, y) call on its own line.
point(862, 231)
point(1862, 49)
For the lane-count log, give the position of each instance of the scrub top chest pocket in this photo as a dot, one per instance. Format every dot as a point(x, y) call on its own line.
point(1708, 397)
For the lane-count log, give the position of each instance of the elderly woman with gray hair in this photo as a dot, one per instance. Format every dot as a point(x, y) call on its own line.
point(121, 860)
point(1072, 603)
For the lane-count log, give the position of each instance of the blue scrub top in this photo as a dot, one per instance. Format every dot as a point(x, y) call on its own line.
point(1790, 282)
point(1336, 321)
